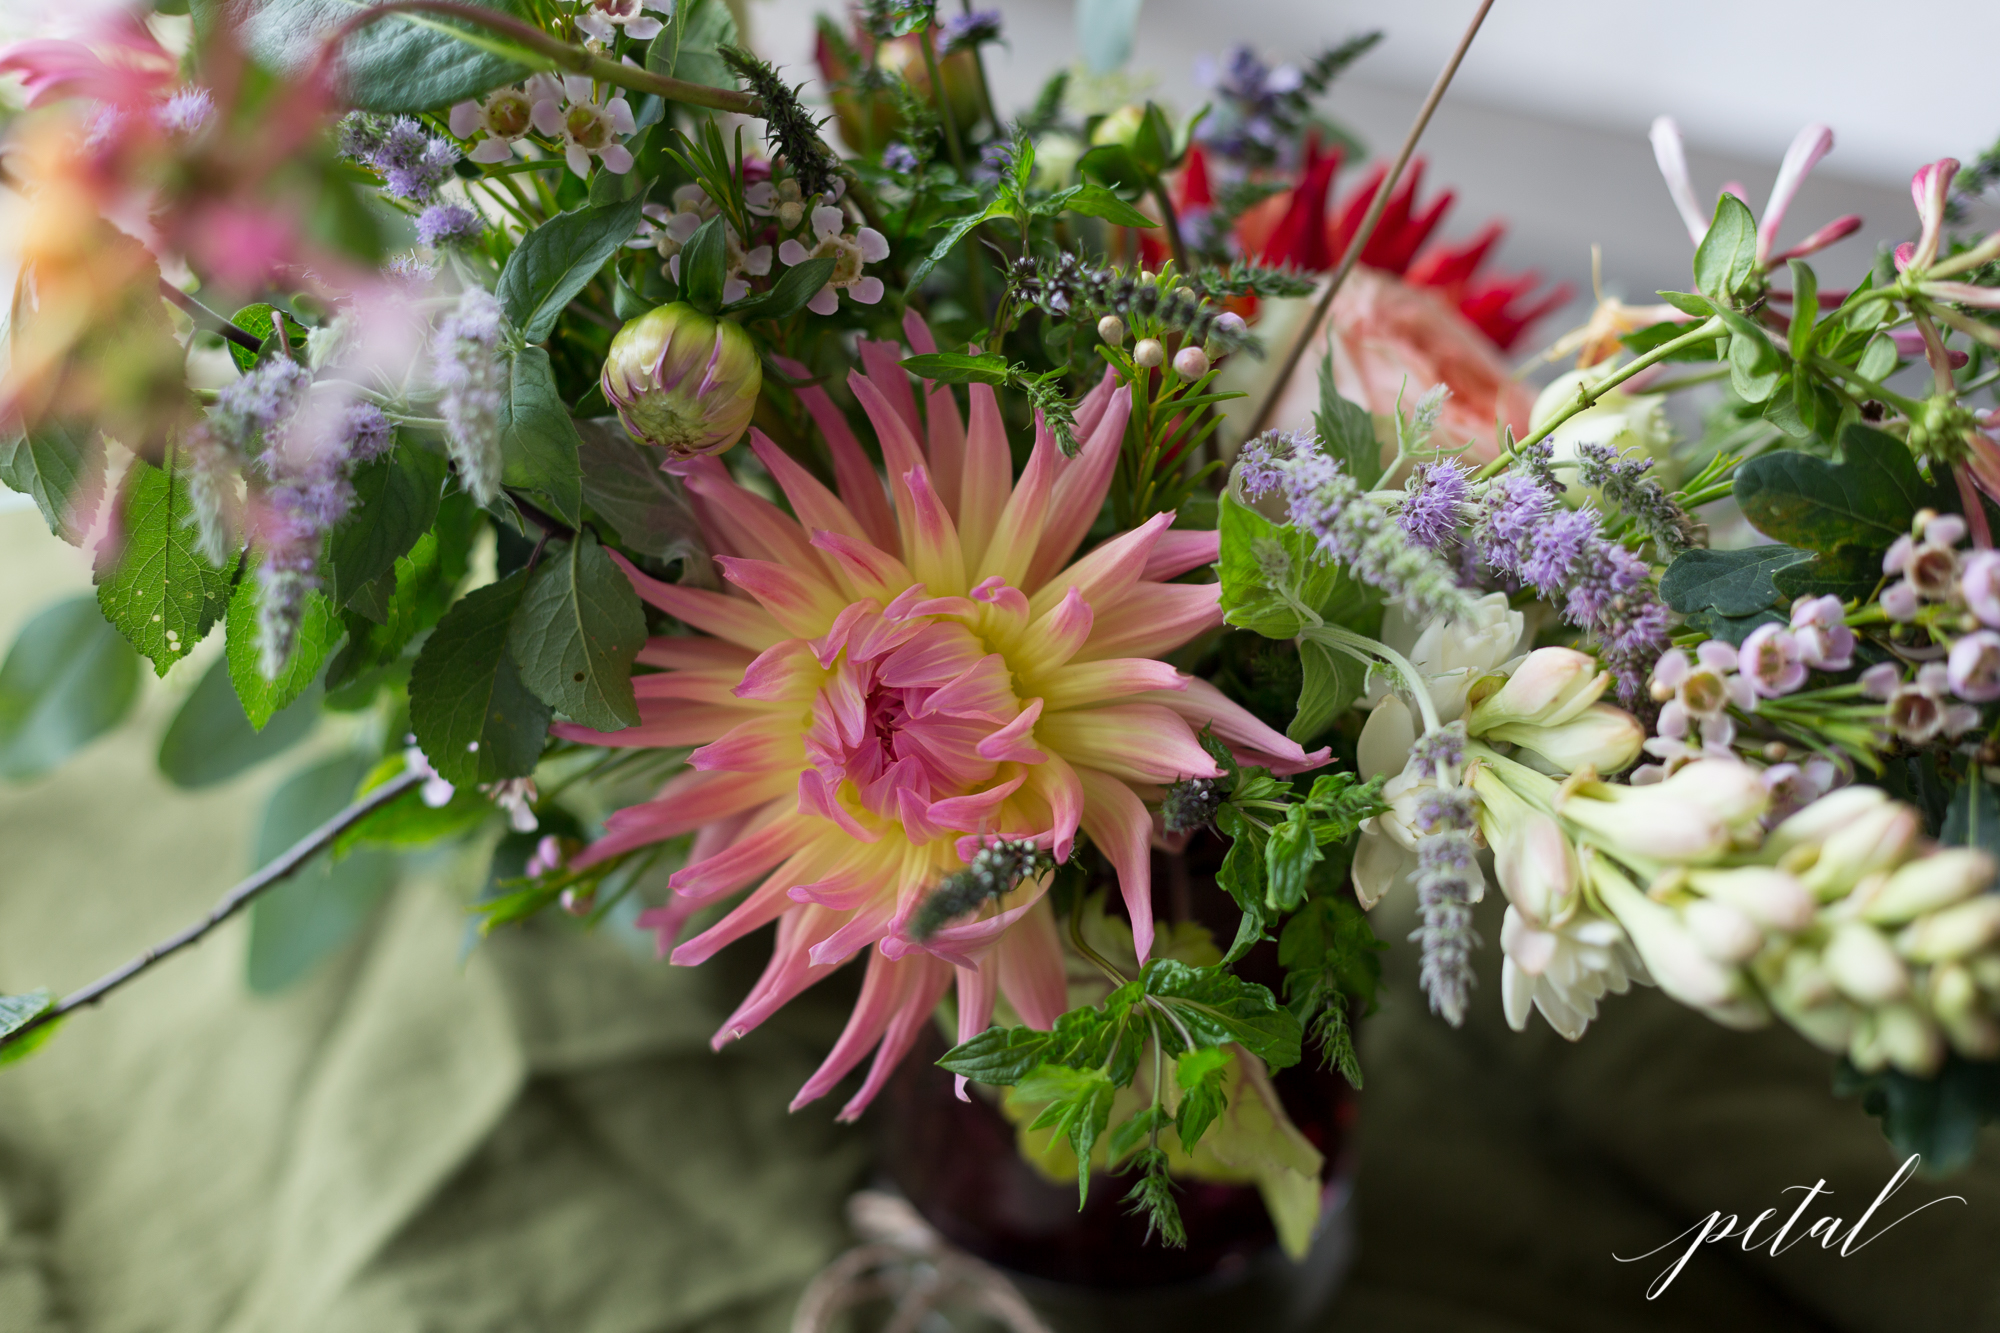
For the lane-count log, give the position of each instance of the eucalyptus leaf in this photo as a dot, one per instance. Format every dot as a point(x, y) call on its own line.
point(68, 678)
point(1850, 573)
point(1733, 583)
point(1866, 500)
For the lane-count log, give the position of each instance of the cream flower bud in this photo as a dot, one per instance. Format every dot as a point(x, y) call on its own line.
point(1675, 959)
point(1801, 981)
point(1899, 1035)
point(1955, 1000)
point(682, 380)
point(1929, 883)
point(1602, 737)
point(1864, 966)
point(1190, 363)
point(1771, 898)
point(1878, 840)
point(1548, 688)
point(1696, 815)
point(1954, 932)
point(1724, 933)
point(1535, 864)
point(1149, 353)
point(1111, 329)
point(1828, 814)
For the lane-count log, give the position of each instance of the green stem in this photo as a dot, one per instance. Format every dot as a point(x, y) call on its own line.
point(1173, 224)
point(1588, 394)
point(943, 102)
point(1909, 407)
point(1361, 645)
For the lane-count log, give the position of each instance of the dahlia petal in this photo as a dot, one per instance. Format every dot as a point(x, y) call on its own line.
point(783, 672)
point(1055, 636)
point(977, 987)
point(749, 524)
point(900, 454)
point(873, 637)
point(730, 618)
point(756, 746)
point(1056, 783)
point(861, 928)
point(1180, 550)
point(913, 813)
point(1154, 619)
point(1003, 597)
point(947, 446)
point(666, 922)
point(685, 803)
point(959, 607)
point(1248, 739)
point(715, 687)
point(1090, 409)
point(1138, 742)
point(1104, 576)
point(988, 481)
point(1014, 742)
point(788, 974)
point(859, 484)
point(829, 645)
point(796, 599)
point(1029, 960)
point(1117, 822)
point(694, 653)
point(1083, 683)
point(883, 991)
point(678, 723)
point(820, 795)
point(872, 571)
point(882, 361)
point(974, 812)
point(983, 691)
point(816, 506)
point(754, 854)
point(934, 655)
point(909, 1020)
point(1010, 551)
point(1079, 492)
point(769, 902)
point(937, 559)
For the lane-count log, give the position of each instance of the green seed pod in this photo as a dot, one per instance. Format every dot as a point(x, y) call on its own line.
point(682, 380)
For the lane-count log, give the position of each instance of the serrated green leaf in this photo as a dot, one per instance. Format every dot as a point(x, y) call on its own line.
point(153, 582)
point(1866, 500)
point(1200, 1074)
point(297, 924)
point(1347, 432)
point(1938, 1118)
point(952, 237)
point(999, 1055)
point(1095, 201)
point(1734, 583)
point(557, 259)
point(1219, 1007)
point(1727, 256)
point(211, 740)
point(576, 634)
point(69, 678)
point(1271, 575)
point(475, 719)
point(1333, 681)
point(62, 469)
point(538, 440)
point(257, 319)
point(395, 502)
point(1078, 1107)
point(399, 63)
point(319, 630)
point(1290, 853)
point(624, 486)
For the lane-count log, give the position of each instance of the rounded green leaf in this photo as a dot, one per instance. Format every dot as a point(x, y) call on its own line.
point(69, 678)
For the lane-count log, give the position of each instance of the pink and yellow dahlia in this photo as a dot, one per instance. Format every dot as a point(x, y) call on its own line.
point(898, 674)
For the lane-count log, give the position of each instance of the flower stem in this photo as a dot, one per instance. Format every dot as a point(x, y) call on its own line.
point(1360, 645)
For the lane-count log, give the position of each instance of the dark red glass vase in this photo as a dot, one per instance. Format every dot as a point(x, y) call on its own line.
point(1093, 1268)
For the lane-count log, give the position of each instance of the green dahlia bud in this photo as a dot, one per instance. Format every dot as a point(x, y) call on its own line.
point(683, 381)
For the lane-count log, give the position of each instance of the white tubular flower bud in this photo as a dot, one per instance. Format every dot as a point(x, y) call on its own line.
point(1536, 866)
point(1824, 817)
point(1724, 933)
point(1551, 686)
point(1953, 932)
point(1955, 999)
point(1675, 959)
point(1876, 840)
point(1600, 737)
point(1695, 816)
point(1800, 990)
point(1771, 898)
point(1929, 883)
point(1901, 1035)
point(1864, 966)
point(1149, 354)
point(1111, 329)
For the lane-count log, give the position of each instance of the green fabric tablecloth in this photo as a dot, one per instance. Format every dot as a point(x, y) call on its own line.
point(535, 1135)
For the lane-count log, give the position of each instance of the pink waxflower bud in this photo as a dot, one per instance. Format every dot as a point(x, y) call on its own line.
point(683, 381)
point(1190, 363)
point(1819, 629)
point(1974, 666)
point(1149, 353)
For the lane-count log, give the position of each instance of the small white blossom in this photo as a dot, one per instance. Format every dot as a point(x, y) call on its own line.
point(865, 246)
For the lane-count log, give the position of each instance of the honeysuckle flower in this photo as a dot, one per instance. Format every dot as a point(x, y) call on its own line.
point(903, 673)
point(1811, 144)
point(865, 246)
point(495, 125)
point(602, 18)
point(683, 381)
point(1930, 191)
point(585, 127)
point(1820, 634)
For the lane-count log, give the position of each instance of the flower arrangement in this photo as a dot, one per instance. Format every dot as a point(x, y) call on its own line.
point(895, 549)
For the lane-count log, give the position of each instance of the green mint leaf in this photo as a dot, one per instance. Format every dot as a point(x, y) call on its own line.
point(998, 1055)
point(16, 1012)
point(475, 719)
point(319, 631)
point(69, 678)
point(576, 634)
point(211, 740)
point(62, 469)
point(623, 485)
point(538, 441)
point(155, 585)
point(1290, 853)
point(1078, 1107)
point(1200, 1074)
point(395, 502)
point(1346, 431)
point(1218, 1007)
point(557, 259)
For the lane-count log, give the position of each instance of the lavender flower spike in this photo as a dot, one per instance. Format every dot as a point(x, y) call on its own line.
point(1448, 881)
